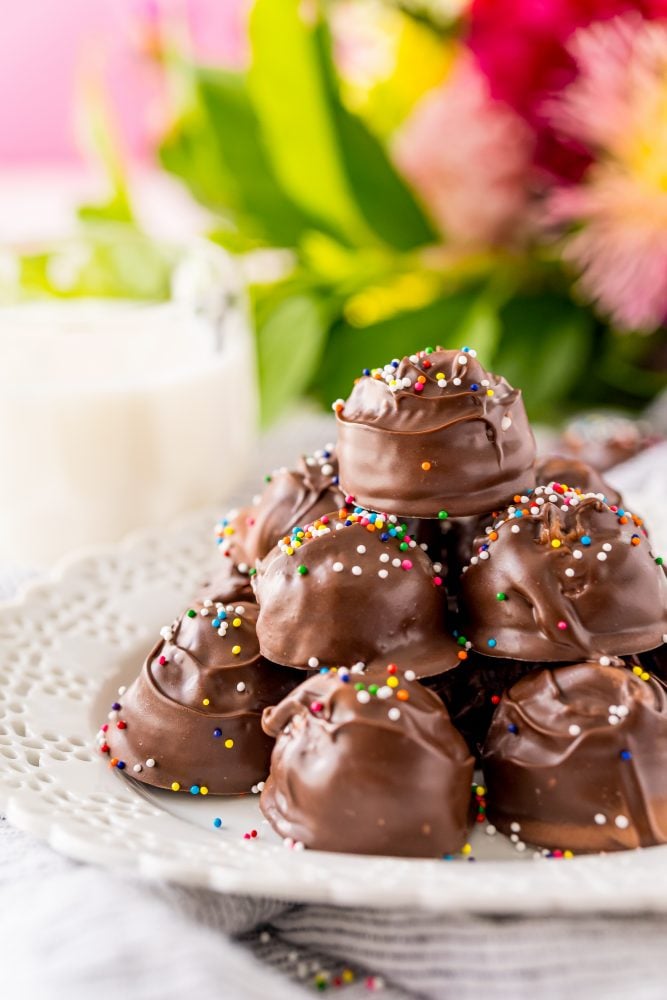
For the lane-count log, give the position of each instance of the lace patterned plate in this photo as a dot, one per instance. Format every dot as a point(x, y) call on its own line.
point(68, 643)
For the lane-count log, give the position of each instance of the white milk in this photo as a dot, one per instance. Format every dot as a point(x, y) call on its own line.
point(116, 415)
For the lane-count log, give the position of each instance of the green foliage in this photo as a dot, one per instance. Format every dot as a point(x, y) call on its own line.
point(104, 262)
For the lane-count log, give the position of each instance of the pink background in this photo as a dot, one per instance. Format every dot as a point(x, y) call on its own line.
point(48, 46)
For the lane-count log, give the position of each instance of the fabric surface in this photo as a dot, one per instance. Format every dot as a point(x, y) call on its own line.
point(74, 932)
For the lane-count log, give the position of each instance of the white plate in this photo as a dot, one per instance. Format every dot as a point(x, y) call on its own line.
point(68, 643)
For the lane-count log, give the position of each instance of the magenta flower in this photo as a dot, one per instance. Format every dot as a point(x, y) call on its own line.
point(617, 109)
point(467, 157)
point(521, 47)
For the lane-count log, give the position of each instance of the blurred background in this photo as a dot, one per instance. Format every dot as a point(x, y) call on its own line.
point(321, 186)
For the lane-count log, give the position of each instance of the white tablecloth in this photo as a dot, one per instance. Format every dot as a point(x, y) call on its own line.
point(74, 932)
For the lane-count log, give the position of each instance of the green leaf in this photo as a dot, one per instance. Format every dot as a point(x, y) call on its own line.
point(290, 341)
point(544, 349)
point(385, 200)
point(294, 107)
point(219, 151)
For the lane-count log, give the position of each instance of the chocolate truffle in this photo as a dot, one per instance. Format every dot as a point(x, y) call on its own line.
point(577, 474)
point(434, 435)
point(191, 721)
point(605, 439)
point(575, 759)
point(367, 764)
point(562, 576)
point(348, 588)
point(291, 497)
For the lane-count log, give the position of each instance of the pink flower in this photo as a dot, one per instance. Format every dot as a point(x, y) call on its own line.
point(467, 156)
point(617, 109)
point(521, 47)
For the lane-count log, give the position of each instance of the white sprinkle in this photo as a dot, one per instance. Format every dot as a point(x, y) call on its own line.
point(150, 762)
point(384, 557)
point(383, 573)
point(456, 381)
point(203, 612)
point(606, 547)
point(260, 786)
point(622, 711)
point(604, 661)
point(337, 567)
point(384, 692)
point(363, 697)
point(569, 572)
point(484, 555)
point(574, 729)
point(394, 714)
point(520, 846)
point(122, 690)
point(358, 668)
point(357, 571)
point(396, 563)
point(505, 423)
point(602, 556)
point(490, 830)
point(137, 768)
point(600, 819)
point(240, 686)
point(442, 382)
point(437, 567)
point(361, 549)
point(485, 382)
point(474, 560)
point(515, 827)
point(410, 675)
point(622, 822)
point(264, 937)
point(313, 662)
point(166, 633)
point(613, 720)
point(327, 470)
point(239, 609)
point(514, 837)
point(578, 554)
point(112, 715)
point(515, 529)
point(462, 359)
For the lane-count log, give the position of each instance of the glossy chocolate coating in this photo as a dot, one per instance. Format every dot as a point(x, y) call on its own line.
point(227, 584)
point(574, 583)
point(576, 757)
point(346, 594)
point(476, 444)
point(572, 472)
point(194, 694)
point(361, 773)
point(292, 497)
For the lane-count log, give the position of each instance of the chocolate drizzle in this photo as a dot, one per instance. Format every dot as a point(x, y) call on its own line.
point(455, 437)
point(575, 759)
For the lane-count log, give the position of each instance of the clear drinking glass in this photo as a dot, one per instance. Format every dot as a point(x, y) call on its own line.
point(119, 413)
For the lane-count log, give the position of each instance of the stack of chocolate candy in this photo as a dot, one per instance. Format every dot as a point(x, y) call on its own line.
point(444, 596)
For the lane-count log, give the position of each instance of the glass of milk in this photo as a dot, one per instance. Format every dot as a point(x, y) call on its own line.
point(116, 414)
